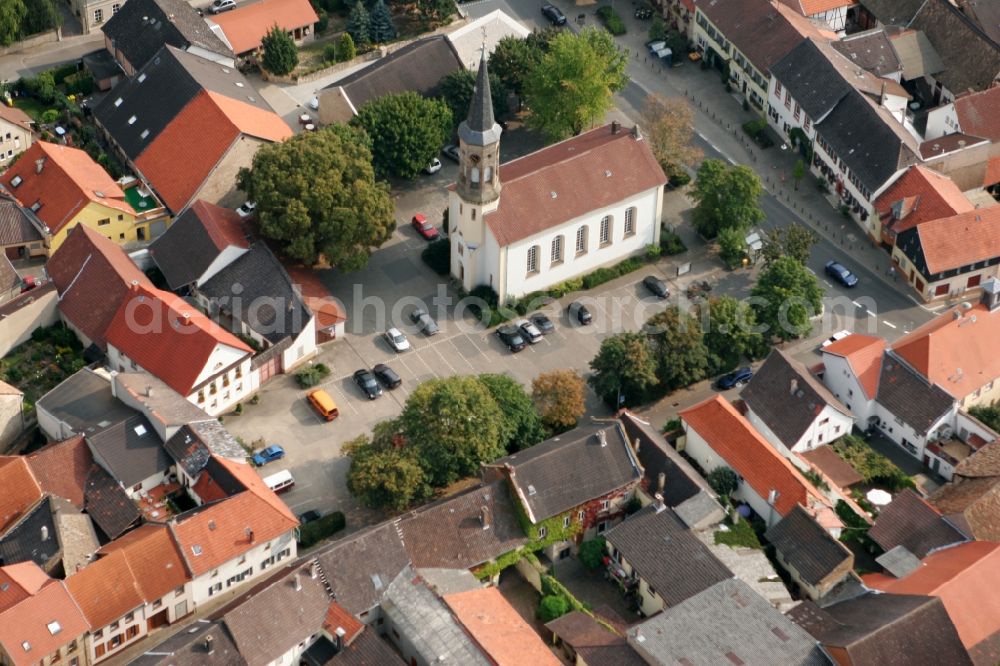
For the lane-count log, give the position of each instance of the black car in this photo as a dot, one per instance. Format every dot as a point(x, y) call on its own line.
point(656, 285)
point(837, 271)
point(735, 378)
point(387, 376)
point(580, 312)
point(309, 516)
point(554, 15)
point(511, 336)
point(366, 382)
point(543, 323)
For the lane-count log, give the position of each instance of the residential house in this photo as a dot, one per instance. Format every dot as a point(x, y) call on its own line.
point(920, 195)
point(579, 483)
point(244, 27)
point(553, 215)
point(716, 435)
point(202, 642)
point(417, 67)
point(16, 132)
point(93, 13)
point(974, 114)
point(886, 629)
point(132, 453)
point(791, 408)
point(872, 51)
point(203, 240)
point(586, 642)
point(971, 502)
point(956, 576)
point(485, 32)
point(161, 334)
point(182, 104)
point(327, 310)
point(201, 445)
point(912, 522)
point(21, 490)
point(22, 234)
point(654, 553)
point(39, 621)
point(816, 561)
point(831, 14)
point(64, 188)
point(136, 32)
point(367, 649)
point(754, 632)
point(11, 414)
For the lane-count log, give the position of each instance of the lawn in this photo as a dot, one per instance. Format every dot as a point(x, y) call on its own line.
point(875, 469)
point(40, 364)
point(32, 107)
point(740, 534)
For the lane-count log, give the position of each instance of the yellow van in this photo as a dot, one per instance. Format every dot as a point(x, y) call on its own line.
point(324, 404)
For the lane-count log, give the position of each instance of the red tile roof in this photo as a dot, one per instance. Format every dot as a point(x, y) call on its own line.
point(68, 181)
point(979, 114)
point(61, 468)
point(571, 178)
point(18, 489)
point(864, 355)
point(835, 468)
point(338, 618)
point(28, 630)
point(168, 337)
point(992, 175)
point(20, 581)
point(927, 195)
point(92, 275)
point(252, 481)
point(813, 7)
point(732, 437)
point(105, 589)
point(202, 133)
point(327, 309)
point(15, 115)
point(207, 489)
point(499, 629)
point(223, 225)
point(962, 576)
point(960, 240)
point(246, 25)
point(153, 558)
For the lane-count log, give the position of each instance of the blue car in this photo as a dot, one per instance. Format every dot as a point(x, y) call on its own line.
point(837, 271)
point(269, 454)
point(735, 378)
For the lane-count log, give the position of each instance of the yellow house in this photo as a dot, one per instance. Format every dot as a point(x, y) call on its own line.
point(65, 187)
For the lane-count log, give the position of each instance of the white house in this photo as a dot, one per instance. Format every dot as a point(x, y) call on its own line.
point(553, 215)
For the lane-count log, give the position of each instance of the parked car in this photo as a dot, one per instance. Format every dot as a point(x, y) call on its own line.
point(528, 330)
point(268, 454)
point(324, 404)
point(387, 376)
point(247, 209)
point(839, 335)
point(655, 285)
point(309, 516)
point(511, 336)
point(397, 340)
point(580, 312)
point(735, 378)
point(424, 322)
point(219, 6)
point(451, 152)
point(423, 227)
point(433, 167)
point(554, 15)
point(837, 271)
point(314, 103)
point(366, 382)
point(543, 323)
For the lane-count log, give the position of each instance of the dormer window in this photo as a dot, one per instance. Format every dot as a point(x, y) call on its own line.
point(35, 207)
point(15, 181)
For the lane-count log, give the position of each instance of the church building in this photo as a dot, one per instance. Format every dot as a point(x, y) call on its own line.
point(556, 214)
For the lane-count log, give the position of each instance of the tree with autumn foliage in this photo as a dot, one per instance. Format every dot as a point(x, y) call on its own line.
point(559, 397)
point(669, 125)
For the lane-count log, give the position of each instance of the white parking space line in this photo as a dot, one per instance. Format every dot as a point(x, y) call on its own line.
point(441, 356)
point(831, 286)
point(890, 325)
point(459, 353)
point(814, 273)
point(858, 305)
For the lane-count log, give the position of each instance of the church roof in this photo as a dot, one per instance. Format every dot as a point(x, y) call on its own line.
point(480, 128)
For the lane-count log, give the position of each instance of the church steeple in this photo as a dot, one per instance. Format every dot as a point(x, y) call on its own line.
point(479, 143)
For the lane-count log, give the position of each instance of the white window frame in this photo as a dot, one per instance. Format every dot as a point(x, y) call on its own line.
point(630, 221)
point(557, 250)
point(581, 240)
point(604, 237)
point(532, 259)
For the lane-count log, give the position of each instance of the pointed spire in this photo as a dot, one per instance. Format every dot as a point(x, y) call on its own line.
point(480, 127)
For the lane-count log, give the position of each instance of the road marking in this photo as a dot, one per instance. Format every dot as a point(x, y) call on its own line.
point(890, 325)
point(814, 272)
point(831, 287)
point(714, 147)
point(458, 352)
point(858, 305)
point(450, 366)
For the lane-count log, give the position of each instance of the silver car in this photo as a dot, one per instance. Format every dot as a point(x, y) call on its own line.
point(397, 340)
point(528, 330)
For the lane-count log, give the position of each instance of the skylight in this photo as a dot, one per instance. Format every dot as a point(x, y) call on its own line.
point(144, 134)
point(54, 627)
point(196, 549)
point(140, 430)
point(131, 121)
point(118, 102)
point(142, 77)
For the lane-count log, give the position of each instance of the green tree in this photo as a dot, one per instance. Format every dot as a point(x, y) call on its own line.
point(552, 606)
point(280, 55)
point(591, 553)
point(794, 241)
point(359, 25)
point(512, 60)
point(455, 425)
point(730, 333)
point(988, 414)
point(678, 347)
point(41, 87)
point(625, 365)
point(560, 398)
point(406, 131)
point(732, 245)
point(572, 87)
point(521, 427)
point(457, 89)
point(798, 172)
point(785, 297)
point(725, 197)
point(317, 196)
point(12, 13)
point(384, 478)
point(40, 16)
point(345, 49)
point(381, 28)
point(657, 29)
point(723, 481)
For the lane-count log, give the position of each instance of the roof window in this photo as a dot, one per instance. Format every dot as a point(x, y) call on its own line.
point(54, 627)
point(140, 430)
point(15, 181)
point(196, 549)
point(131, 121)
point(142, 77)
point(144, 134)
point(118, 102)
point(35, 207)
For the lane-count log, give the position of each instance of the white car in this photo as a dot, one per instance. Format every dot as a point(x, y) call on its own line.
point(314, 103)
point(839, 335)
point(219, 6)
point(528, 330)
point(434, 166)
point(397, 340)
point(247, 209)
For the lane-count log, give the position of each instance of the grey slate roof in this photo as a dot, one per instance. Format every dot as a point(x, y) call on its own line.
point(480, 128)
point(130, 450)
point(367, 650)
point(107, 504)
point(268, 302)
point(788, 413)
point(450, 534)
point(191, 648)
point(187, 249)
point(18, 225)
point(912, 522)
point(807, 547)
point(871, 50)
point(665, 554)
point(22, 542)
point(726, 624)
point(909, 397)
point(157, 401)
point(893, 12)
point(84, 401)
point(595, 644)
point(971, 59)
point(360, 567)
point(566, 471)
point(193, 445)
point(160, 90)
point(9, 279)
point(681, 480)
point(102, 65)
point(139, 29)
point(885, 629)
point(812, 79)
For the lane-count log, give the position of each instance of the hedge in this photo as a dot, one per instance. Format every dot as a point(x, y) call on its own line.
point(612, 21)
point(312, 375)
point(325, 527)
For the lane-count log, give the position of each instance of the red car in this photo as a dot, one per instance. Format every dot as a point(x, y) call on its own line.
point(423, 227)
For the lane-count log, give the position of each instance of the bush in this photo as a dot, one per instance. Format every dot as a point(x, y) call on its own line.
point(330, 53)
point(677, 175)
point(325, 527)
point(345, 48)
point(80, 83)
point(723, 481)
point(612, 21)
point(672, 243)
point(551, 607)
point(437, 255)
point(873, 467)
point(63, 72)
point(653, 252)
point(755, 127)
point(591, 553)
point(739, 534)
point(312, 375)
point(567, 287)
point(49, 116)
point(323, 22)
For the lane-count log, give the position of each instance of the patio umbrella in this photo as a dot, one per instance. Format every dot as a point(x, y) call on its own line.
point(878, 497)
